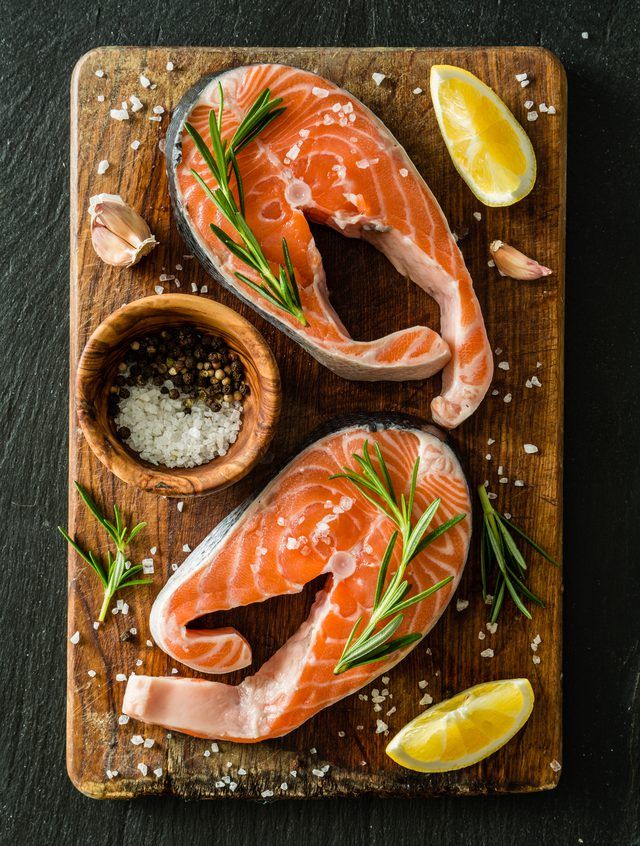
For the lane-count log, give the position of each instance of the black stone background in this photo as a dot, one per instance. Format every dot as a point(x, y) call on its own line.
point(598, 798)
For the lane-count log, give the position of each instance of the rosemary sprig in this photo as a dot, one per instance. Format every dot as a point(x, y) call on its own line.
point(115, 576)
point(374, 483)
point(281, 288)
point(500, 555)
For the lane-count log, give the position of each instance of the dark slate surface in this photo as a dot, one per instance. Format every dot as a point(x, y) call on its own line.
point(598, 797)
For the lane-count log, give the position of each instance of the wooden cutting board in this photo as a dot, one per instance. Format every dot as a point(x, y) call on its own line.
point(525, 326)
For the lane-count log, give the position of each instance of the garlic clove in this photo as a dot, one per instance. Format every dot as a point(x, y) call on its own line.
point(118, 234)
point(513, 263)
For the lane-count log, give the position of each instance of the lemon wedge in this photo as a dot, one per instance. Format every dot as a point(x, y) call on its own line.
point(489, 148)
point(464, 729)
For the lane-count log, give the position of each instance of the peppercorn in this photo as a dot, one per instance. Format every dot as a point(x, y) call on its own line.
point(124, 433)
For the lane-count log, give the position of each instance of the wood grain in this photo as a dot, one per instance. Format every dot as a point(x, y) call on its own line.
point(524, 321)
point(96, 371)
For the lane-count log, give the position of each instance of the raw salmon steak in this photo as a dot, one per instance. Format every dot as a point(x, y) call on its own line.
point(330, 160)
point(302, 525)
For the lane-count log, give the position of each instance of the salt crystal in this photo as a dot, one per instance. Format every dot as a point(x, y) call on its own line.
point(551, 110)
point(174, 671)
point(313, 751)
point(194, 288)
point(536, 382)
point(422, 684)
point(216, 748)
point(147, 566)
point(507, 398)
point(180, 506)
point(319, 92)
point(99, 73)
point(378, 77)
point(204, 289)
point(503, 365)
point(170, 66)
point(542, 107)
point(363, 164)
point(381, 726)
point(139, 662)
point(119, 114)
point(528, 104)
point(75, 638)
point(585, 35)
point(121, 677)
point(492, 627)
point(491, 263)
point(491, 441)
point(158, 289)
point(137, 740)
point(556, 766)
point(157, 772)
point(103, 166)
point(487, 653)
point(317, 772)
point(293, 152)
point(123, 719)
point(462, 604)
point(207, 753)
point(155, 118)
point(403, 172)
point(532, 116)
point(149, 643)
point(144, 81)
point(427, 699)
point(144, 769)
point(488, 456)
point(535, 659)
point(100, 98)
point(519, 483)
point(521, 76)
point(91, 674)
point(530, 449)
point(148, 742)
point(524, 83)
point(186, 547)
point(96, 625)
point(503, 480)
point(481, 635)
point(477, 215)
point(492, 496)
point(417, 90)
point(135, 144)
point(158, 110)
point(136, 103)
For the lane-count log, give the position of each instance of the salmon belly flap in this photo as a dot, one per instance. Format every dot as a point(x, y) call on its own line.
point(329, 159)
point(302, 525)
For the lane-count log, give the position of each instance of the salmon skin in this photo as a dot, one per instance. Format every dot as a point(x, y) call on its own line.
point(302, 525)
point(330, 160)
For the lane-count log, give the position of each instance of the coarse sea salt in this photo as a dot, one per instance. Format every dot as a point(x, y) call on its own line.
point(530, 449)
point(103, 166)
point(75, 638)
point(378, 77)
point(163, 433)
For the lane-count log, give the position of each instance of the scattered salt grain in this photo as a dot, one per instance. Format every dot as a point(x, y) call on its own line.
point(207, 753)
point(521, 77)
point(492, 628)
point(155, 118)
point(477, 215)
point(535, 659)
point(528, 104)
point(378, 77)
point(100, 98)
point(75, 638)
point(119, 114)
point(216, 748)
point(491, 441)
point(158, 110)
point(157, 772)
point(91, 674)
point(542, 107)
point(149, 643)
point(174, 671)
point(524, 83)
point(532, 116)
point(148, 742)
point(487, 653)
point(318, 773)
point(123, 719)
point(135, 144)
point(491, 263)
point(519, 483)
point(137, 740)
point(507, 398)
point(481, 635)
point(488, 457)
point(403, 172)
point(147, 566)
point(462, 604)
point(556, 766)
point(121, 677)
point(340, 734)
point(99, 73)
point(422, 684)
point(381, 726)
point(103, 166)
point(503, 480)
point(313, 751)
point(319, 92)
point(139, 662)
point(551, 110)
point(186, 547)
point(426, 700)
point(585, 35)
point(96, 625)
point(266, 793)
point(159, 289)
point(503, 365)
point(204, 289)
point(536, 382)
point(530, 449)
point(170, 66)
point(136, 103)
point(144, 81)
point(144, 769)
point(492, 496)
point(194, 288)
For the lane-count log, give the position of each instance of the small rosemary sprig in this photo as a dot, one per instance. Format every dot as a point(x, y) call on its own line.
point(500, 555)
point(115, 576)
point(281, 288)
point(376, 486)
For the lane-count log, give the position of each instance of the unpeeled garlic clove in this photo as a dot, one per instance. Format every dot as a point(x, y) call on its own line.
point(513, 263)
point(118, 234)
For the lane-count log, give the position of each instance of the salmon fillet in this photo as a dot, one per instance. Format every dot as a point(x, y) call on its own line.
point(302, 525)
point(330, 160)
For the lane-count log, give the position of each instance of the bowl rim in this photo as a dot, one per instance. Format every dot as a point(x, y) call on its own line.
point(176, 482)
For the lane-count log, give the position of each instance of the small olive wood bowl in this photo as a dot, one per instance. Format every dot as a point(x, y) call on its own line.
point(97, 369)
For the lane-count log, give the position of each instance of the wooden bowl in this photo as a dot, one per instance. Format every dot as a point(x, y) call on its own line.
point(97, 369)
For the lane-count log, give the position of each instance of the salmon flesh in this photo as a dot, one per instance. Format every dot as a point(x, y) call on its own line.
point(302, 525)
point(328, 159)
